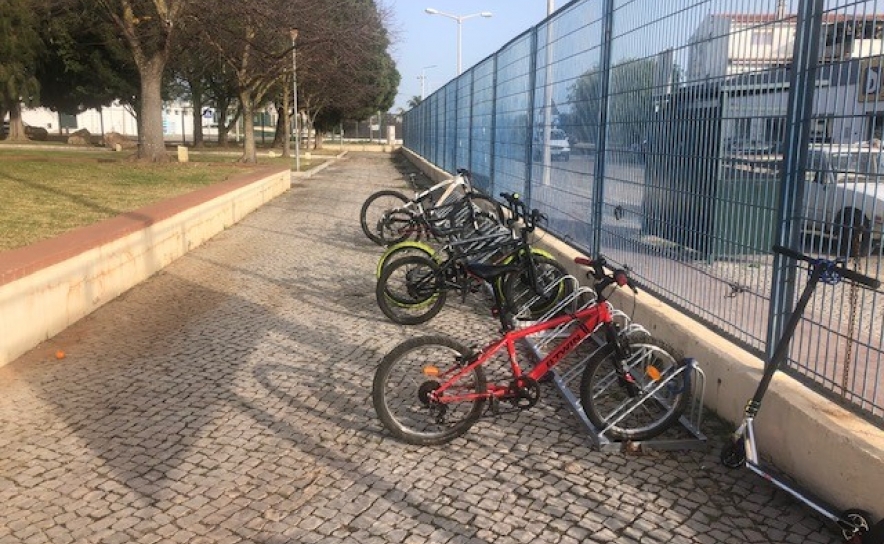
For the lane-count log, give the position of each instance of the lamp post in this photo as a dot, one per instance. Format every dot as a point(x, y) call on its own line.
point(460, 19)
point(294, 35)
point(423, 79)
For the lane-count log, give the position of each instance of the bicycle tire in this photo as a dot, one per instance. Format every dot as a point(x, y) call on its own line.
point(410, 291)
point(374, 208)
point(519, 294)
point(603, 395)
point(404, 249)
point(397, 226)
point(405, 377)
point(486, 204)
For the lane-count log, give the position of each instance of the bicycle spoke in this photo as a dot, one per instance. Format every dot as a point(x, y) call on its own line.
point(404, 387)
point(655, 399)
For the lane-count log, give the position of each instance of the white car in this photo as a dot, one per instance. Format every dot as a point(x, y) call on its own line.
point(844, 195)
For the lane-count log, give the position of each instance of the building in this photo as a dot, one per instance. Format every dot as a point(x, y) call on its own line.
point(749, 56)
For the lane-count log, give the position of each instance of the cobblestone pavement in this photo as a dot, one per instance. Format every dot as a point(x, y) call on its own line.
point(227, 400)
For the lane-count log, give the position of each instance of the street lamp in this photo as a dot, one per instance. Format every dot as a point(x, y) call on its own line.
point(423, 79)
point(460, 19)
point(294, 34)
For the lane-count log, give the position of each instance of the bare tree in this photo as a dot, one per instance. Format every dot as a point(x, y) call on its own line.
point(252, 39)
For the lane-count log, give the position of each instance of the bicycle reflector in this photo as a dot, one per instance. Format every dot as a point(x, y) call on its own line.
point(653, 373)
point(621, 278)
point(431, 371)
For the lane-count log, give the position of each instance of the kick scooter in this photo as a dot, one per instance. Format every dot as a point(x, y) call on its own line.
point(855, 525)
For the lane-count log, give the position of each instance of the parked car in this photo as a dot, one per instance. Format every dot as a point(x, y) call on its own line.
point(559, 146)
point(844, 195)
point(753, 147)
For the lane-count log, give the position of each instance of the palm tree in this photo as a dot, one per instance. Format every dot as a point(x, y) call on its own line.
point(414, 101)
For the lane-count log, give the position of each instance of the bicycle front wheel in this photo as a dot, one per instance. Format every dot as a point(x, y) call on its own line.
point(404, 382)
point(411, 290)
point(643, 409)
point(374, 209)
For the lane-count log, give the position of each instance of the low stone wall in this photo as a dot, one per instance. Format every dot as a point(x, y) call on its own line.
point(829, 450)
point(47, 286)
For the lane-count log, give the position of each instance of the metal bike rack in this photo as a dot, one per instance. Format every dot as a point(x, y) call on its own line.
point(685, 435)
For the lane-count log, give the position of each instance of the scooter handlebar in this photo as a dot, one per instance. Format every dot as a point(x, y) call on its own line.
point(837, 267)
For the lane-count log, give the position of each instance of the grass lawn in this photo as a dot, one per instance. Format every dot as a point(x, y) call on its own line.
point(46, 192)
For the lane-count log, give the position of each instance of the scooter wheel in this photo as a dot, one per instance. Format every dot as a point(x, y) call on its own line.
point(733, 454)
point(857, 526)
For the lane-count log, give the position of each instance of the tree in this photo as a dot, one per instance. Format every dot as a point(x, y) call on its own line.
point(414, 101)
point(630, 102)
point(20, 47)
point(85, 64)
point(252, 41)
point(194, 67)
point(149, 28)
point(350, 73)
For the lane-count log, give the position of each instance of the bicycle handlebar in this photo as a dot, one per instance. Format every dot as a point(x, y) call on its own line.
point(520, 211)
point(618, 277)
point(835, 266)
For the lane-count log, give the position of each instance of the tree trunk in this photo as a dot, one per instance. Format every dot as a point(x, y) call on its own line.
point(153, 146)
point(317, 141)
point(196, 93)
point(249, 153)
point(283, 126)
point(16, 126)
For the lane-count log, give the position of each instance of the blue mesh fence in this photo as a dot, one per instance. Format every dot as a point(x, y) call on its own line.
point(682, 140)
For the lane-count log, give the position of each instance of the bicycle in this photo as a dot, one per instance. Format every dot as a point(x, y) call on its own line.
point(414, 288)
point(388, 216)
point(429, 390)
point(484, 233)
point(742, 449)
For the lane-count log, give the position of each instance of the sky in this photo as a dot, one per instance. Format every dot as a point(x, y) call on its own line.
point(426, 44)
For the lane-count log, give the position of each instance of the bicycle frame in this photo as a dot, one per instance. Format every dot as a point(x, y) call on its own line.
point(589, 319)
point(418, 215)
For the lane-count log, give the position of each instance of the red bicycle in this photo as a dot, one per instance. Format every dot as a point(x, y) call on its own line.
point(431, 389)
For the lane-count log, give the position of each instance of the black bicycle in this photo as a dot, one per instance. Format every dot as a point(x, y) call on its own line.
point(413, 289)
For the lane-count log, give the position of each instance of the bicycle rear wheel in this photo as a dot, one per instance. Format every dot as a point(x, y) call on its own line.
point(405, 379)
point(522, 297)
point(410, 290)
point(374, 208)
point(662, 390)
point(487, 205)
point(396, 226)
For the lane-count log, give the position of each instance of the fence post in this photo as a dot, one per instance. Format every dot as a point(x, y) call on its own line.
point(493, 135)
point(799, 109)
point(601, 136)
point(529, 134)
point(469, 149)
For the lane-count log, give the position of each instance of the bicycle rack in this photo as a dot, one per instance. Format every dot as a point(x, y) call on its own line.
point(686, 435)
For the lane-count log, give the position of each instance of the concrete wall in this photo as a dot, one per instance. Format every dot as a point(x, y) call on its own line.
point(835, 454)
point(46, 287)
